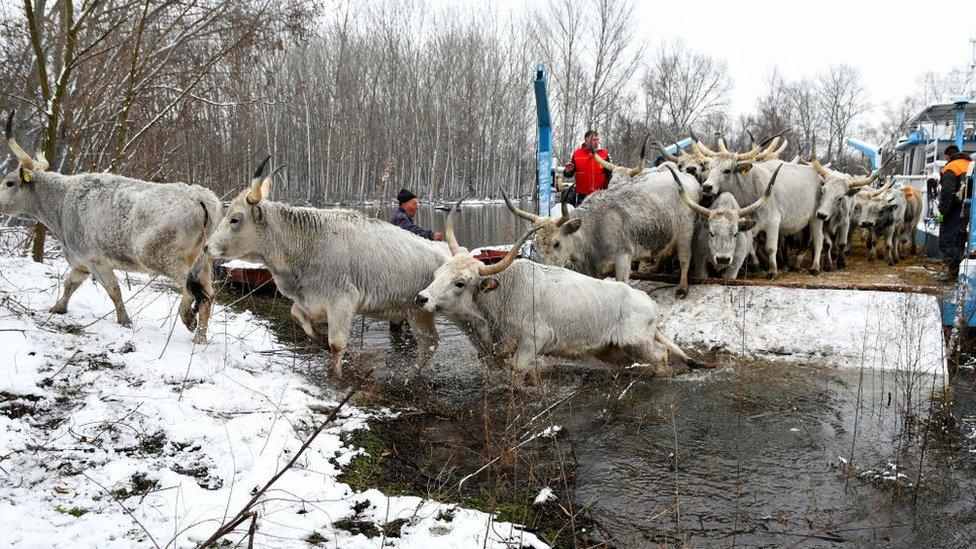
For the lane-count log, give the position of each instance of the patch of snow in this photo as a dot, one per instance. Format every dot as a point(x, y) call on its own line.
point(844, 328)
point(545, 496)
point(98, 420)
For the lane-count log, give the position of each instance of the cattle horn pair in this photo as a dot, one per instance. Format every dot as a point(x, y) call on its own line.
point(8, 132)
point(483, 270)
point(743, 212)
point(255, 194)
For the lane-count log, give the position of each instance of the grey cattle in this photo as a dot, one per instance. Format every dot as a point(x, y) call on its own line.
point(723, 238)
point(836, 190)
point(528, 309)
point(692, 163)
point(107, 222)
point(791, 207)
point(882, 213)
point(620, 225)
point(333, 264)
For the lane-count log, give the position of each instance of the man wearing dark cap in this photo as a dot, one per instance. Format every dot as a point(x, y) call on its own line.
point(403, 217)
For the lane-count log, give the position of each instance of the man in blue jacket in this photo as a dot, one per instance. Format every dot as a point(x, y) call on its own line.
point(403, 217)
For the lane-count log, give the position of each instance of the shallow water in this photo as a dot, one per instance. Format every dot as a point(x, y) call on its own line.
point(750, 454)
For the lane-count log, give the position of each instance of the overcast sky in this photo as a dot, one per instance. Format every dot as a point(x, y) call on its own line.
point(890, 42)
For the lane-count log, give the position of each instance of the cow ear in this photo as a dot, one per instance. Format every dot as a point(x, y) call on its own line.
point(256, 213)
point(488, 284)
point(25, 176)
point(746, 224)
point(852, 192)
point(572, 226)
point(743, 168)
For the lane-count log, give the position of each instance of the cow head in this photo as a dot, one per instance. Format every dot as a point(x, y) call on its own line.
point(457, 282)
point(18, 185)
point(835, 186)
point(724, 225)
point(725, 166)
point(870, 207)
point(623, 174)
point(551, 233)
point(237, 234)
point(693, 163)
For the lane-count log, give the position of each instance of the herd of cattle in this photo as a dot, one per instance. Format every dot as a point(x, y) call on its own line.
point(334, 264)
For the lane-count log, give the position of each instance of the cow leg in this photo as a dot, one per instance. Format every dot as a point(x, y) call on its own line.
point(306, 323)
point(816, 228)
point(525, 367)
point(684, 260)
point(422, 324)
point(772, 248)
point(107, 278)
point(676, 351)
point(843, 239)
point(870, 244)
point(621, 265)
point(204, 278)
point(890, 250)
point(340, 324)
point(828, 259)
point(74, 279)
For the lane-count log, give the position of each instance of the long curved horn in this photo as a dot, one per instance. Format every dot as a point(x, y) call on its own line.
point(701, 149)
point(564, 206)
point(754, 207)
point(752, 139)
point(254, 196)
point(796, 159)
point(722, 148)
point(506, 262)
point(821, 171)
point(750, 154)
point(518, 211)
point(769, 139)
point(8, 132)
point(664, 151)
point(877, 192)
point(603, 163)
point(862, 181)
point(697, 208)
point(452, 242)
point(643, 160)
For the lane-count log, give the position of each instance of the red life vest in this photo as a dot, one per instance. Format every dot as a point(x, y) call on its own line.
point(590, 176)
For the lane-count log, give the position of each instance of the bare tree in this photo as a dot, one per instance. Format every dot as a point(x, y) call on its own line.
point(682, 87)
point(842, 98)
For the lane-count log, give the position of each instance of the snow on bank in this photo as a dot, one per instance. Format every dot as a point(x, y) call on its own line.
point(97, 419)
point(880, 330)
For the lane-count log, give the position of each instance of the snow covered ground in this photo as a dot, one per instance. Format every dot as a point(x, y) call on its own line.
point(117, 437)
point(844, 328)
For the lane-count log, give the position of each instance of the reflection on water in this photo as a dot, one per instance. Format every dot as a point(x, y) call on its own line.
point(476, 224)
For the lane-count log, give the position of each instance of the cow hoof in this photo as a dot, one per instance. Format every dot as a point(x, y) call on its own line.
point(200, 339)
point(841, 264)
point(771, 276)
point(892, 263)
point(681, 293)
point(125, 323)
point(814, 272)
point(58, 310)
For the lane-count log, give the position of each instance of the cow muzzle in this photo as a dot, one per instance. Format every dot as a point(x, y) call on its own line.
point(421, 300)
point(867, 224)
point(707, 189)
point(723, 260)
point(822, 216)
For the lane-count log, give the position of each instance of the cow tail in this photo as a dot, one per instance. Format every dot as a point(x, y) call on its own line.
point(195, 278)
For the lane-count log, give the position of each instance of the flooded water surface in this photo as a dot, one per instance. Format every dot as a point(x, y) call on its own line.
point(754, 453)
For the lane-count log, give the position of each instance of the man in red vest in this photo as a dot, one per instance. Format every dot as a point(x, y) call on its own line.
point(590, 177)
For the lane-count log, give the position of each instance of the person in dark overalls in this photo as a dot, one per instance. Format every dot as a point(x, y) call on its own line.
point(953, 214)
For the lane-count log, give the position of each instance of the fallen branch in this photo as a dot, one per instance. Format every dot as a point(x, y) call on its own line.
point(247, 512)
